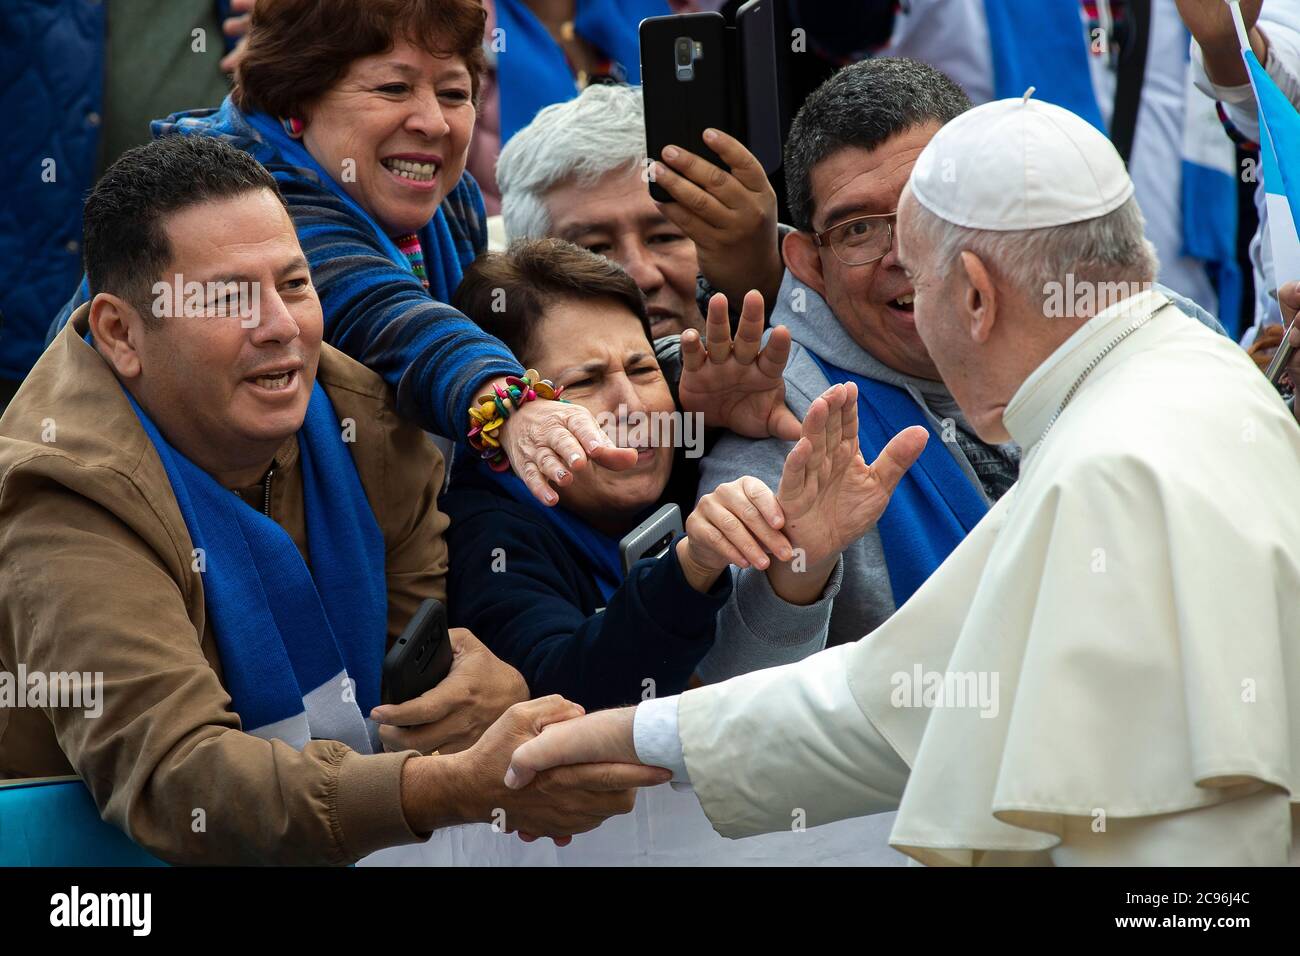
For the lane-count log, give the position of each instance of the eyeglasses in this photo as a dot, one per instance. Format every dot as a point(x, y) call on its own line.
point(860, 240)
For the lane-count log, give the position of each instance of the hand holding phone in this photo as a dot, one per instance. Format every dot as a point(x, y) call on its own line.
point(688, 84)
point(711, 93)
point(652, 537)
point(420, 658)
point(452, 714)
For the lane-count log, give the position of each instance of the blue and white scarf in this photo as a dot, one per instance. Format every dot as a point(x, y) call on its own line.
point(301, 649)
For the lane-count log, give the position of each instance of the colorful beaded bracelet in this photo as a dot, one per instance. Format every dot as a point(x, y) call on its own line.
point(490, 412)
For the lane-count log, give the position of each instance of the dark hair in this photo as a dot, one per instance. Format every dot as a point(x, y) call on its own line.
point(531, 275)
point(298, 49)
point(863, 105)
point(126, 247)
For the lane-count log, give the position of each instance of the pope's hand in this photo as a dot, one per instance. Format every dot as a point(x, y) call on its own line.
point(547, 441)
point(829, 495)
point(453, 715)
point(602, 738)
point(738, 385)
point(555, 801)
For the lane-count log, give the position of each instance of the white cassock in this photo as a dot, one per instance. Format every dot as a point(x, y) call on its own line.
point(1136, 596)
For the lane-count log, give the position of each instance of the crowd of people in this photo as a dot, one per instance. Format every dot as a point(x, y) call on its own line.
point(295, 394)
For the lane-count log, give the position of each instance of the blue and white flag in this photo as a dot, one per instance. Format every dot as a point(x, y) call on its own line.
point(1279, 151)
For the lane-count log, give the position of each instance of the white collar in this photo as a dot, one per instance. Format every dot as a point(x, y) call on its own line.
point(1039, 397)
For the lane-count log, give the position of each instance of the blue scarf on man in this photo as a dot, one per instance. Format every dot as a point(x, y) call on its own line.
point(301, 649)
point(934, 506)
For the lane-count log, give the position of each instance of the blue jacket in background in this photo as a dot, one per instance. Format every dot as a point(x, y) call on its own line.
point(51, 88)
point(51, 106)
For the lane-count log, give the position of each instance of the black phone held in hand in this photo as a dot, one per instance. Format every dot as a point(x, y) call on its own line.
point(687, 82)
point(697, 72)
point(420, 658)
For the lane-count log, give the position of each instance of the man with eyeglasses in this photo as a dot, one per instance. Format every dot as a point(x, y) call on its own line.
point(848, 306)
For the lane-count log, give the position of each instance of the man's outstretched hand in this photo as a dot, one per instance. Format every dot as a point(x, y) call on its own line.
point(602, 738)
point(738, 385)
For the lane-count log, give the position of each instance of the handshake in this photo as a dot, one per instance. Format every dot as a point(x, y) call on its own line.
point(570, 780)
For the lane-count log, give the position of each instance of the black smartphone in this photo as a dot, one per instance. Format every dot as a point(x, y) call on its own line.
point(689, 77)
point(421, 658)
point(652, 537)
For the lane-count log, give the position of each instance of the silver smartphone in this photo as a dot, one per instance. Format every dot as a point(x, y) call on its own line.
point(652, 537)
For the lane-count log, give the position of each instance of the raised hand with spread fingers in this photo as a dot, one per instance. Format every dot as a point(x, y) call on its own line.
point(738, 384)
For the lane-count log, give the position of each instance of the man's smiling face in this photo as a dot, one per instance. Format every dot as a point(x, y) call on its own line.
point(873, 302)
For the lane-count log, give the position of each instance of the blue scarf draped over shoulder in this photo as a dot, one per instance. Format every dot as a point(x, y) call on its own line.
point(934, 506)
point(301, 649)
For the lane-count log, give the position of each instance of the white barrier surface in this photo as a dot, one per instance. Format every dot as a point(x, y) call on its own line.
point(666, 828)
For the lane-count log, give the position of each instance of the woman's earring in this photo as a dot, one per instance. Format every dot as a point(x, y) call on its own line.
point(293, 126)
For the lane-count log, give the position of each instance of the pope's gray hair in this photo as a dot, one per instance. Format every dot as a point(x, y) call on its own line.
point(582, 140)
point(1109, 248)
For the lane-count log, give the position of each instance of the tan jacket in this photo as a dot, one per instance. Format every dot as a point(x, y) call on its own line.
point(95, 576)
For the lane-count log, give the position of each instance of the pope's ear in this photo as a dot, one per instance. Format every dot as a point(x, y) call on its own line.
point(116, 326)
point(979, 298)
point(804, 261)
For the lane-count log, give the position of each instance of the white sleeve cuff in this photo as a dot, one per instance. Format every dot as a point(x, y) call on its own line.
point(655, 737)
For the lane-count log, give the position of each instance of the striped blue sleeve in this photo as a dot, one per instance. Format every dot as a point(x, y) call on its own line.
point(432, 356)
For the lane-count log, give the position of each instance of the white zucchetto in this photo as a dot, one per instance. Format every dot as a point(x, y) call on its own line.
point(1019, 164)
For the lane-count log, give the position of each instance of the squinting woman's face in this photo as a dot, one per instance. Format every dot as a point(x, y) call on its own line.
point(394, 132)
point(599, 352)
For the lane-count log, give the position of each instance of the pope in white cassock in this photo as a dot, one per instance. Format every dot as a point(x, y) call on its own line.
point(1107, 669)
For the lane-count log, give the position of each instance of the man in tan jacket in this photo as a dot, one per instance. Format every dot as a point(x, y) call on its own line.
point(99, 573)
